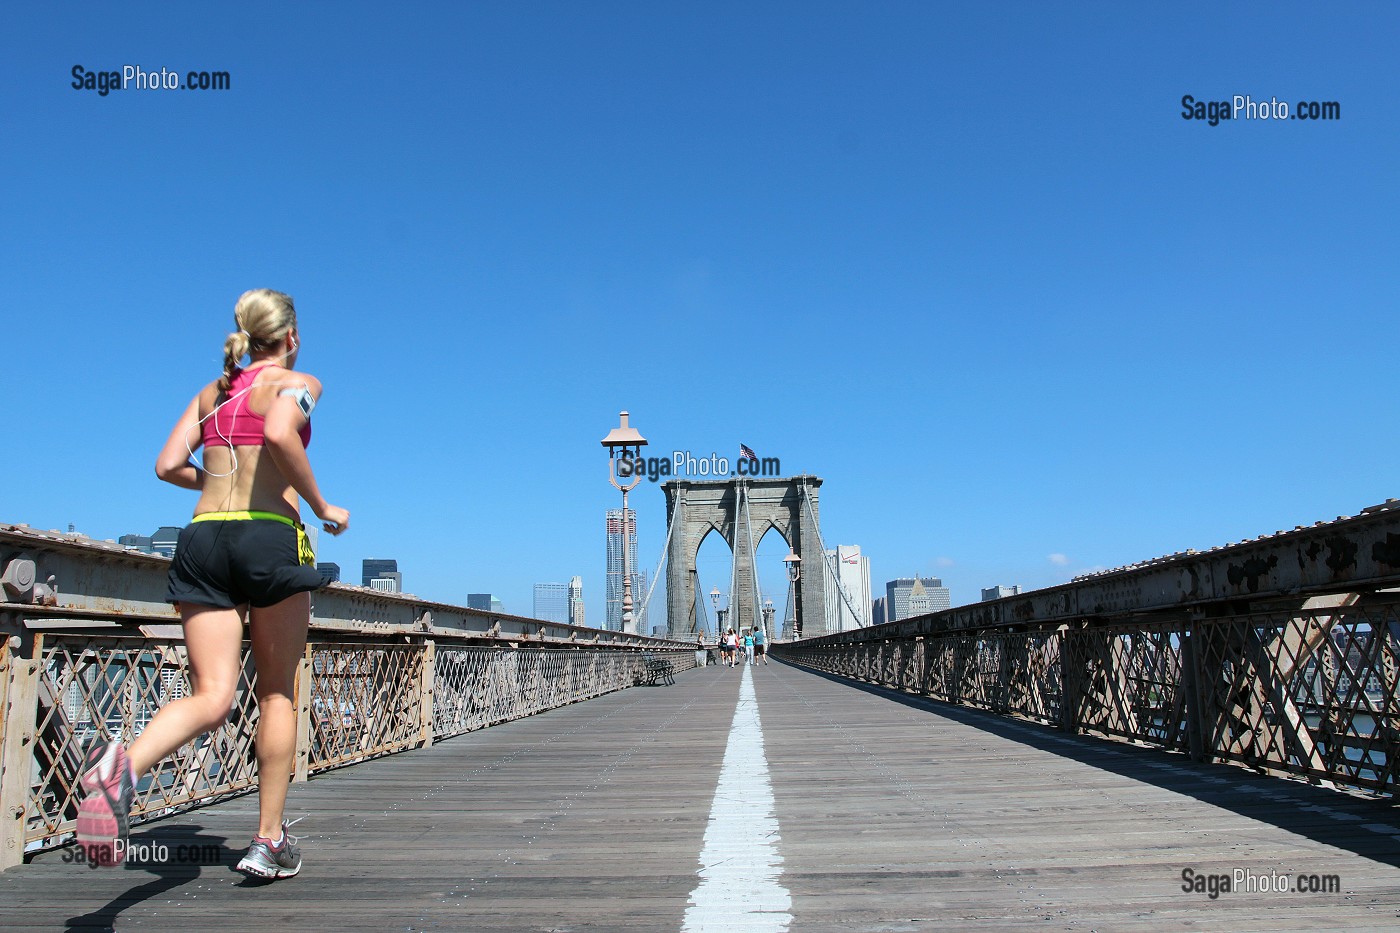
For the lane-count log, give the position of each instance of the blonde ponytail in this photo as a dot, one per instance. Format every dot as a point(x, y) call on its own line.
point(235, 348)
point(263, 317)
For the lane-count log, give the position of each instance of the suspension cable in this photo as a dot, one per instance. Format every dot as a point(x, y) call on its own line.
point(829, 562)
point(665, 550)
point(753, 563)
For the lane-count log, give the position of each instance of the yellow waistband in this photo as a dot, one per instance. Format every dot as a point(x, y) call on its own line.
point(244, 517)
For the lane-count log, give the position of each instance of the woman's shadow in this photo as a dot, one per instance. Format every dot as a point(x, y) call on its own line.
point(174, 856)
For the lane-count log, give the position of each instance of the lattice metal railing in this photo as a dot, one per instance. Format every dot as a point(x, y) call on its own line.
point(358, 700)
point(1126, 681)
point(1311, 691)
point(478, 687)
point(366, 700)
point(93, 689)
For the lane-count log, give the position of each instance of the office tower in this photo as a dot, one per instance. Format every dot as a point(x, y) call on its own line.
point(163, 541)
point(387, 583)
point(313, 534)
point(900, 597)
point(879, 611)
point(576, 601)
point(924, 598)
point(614, 582)
point(330, 573)
point(999, 592)
point(375, 568)
point(140, 543)
point(552, 602)
point(479, 601)
point(497, 606)
point(852, 573)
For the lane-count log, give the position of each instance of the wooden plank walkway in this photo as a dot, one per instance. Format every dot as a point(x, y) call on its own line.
point(892, 814)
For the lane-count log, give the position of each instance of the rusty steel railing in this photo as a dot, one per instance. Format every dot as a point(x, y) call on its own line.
point(1311, 693)
point(1281, 654)
point(357, 700)
point(89, 650)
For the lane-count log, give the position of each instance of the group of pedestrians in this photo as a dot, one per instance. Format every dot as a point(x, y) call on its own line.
point(753, 642)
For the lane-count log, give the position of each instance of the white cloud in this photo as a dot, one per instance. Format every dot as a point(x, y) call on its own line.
point(1059, 560)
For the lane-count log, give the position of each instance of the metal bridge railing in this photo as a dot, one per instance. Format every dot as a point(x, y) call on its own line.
point(1310, 691)
point(357, 697)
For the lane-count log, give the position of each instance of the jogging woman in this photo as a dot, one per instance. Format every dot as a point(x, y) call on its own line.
point(244, 555)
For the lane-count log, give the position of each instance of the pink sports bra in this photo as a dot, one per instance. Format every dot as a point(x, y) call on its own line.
point(234, 424)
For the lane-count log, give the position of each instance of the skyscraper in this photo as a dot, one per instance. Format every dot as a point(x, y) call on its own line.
point(614, 584)
point(479, 601)
point(990, 593)
point(387, 583)
point(576, 601)
point(163, 541)
point(552, 602)
point(853, 574)
point(140, 543)
point(377, 568)
point(925, 599)
point(901, 601)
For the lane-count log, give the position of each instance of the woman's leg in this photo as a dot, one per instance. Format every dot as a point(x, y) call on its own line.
point(213, 641)
point(279, 641)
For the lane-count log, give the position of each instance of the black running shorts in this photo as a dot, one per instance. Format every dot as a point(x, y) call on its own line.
point(225, 564)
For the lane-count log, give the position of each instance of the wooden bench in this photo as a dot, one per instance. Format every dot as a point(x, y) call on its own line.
point(657, 670)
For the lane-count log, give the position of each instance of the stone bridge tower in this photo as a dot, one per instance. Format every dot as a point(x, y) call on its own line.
point(742, 510)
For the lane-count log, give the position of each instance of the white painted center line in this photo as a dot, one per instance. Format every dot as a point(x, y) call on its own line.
point(740, 867)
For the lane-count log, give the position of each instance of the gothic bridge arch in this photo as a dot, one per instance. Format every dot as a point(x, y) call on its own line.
point(742, 510)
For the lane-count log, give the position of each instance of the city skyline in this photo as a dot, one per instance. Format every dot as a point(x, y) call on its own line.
point(1080, 305)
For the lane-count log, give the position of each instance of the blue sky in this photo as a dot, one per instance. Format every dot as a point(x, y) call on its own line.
point(965, 261)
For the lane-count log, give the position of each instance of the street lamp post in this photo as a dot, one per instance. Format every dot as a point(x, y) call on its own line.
point(794, 569)
point(624, 446)
point(719, 613)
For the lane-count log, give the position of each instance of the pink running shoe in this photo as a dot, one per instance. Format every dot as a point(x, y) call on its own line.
point(103, 816)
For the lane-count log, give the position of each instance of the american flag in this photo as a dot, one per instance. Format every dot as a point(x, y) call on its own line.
point(746, 453)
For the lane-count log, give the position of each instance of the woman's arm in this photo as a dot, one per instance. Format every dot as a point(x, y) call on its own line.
point(281, 427)
point(173, 464)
